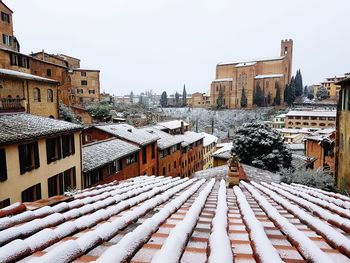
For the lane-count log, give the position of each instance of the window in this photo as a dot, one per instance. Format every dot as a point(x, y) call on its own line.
point(5, 17)
point(144, 155)
point(28, 157)
point(37, 95)
point(53, 149)
point(91, 91)
point(131, 159)
point(80, 91)
point(14, 59)
point(84, 82)
point(4, 203)
point(49, 95)
point(48, 72)
point(163, 171)
point(115, 166)
point(32, 193)
point(83, 73)
point(93, 177)
point(62, 182)
point(174, 164)
point(3, 169)
point(68, 147)
point(7, 40)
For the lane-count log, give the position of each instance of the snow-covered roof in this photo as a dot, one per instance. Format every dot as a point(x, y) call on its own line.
point(296, 146)
point(332, 113)
point(162, 218)
point(224, 152)
point(100, 153)
point(189, 137)
point(253, 60)
point(165, 139)
point(208, 139)
point(27, 76)
point(129, 133)
point(223, 80)
point(245, 64)
point(280, 116)
point(172, 125)
point(268, 76)
point(16, 127)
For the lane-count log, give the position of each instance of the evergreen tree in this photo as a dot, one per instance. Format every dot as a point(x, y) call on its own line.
point(268, 98)
point(132, 97)
point(306, 91)
point(277, 99)
point(298, 81)
point(244, 100)
point(184, 97)
point(291, 92)
point(177, 99)
point(220, 99)
point(164, 99)
point(259, 96)
point(286, 91)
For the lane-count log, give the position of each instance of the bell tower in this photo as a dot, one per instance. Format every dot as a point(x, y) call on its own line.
point(287, 52)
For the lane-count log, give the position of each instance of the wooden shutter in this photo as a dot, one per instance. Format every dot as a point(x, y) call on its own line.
point(36, 155)
point(65, 145)
point(3, 169)
point(59, 147)
point(72, 144)
point(38, 191)
point(22, 158)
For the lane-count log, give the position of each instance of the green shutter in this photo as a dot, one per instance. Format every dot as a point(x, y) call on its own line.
point(22, 158)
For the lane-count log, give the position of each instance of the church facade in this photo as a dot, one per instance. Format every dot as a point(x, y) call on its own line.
point(267, 77)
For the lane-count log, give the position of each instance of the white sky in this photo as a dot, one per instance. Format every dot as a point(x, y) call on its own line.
point(163, 44)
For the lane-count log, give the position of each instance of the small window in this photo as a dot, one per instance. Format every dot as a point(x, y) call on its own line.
point(5, 17)
point(32, 193)
point(53, 149)
point(14, 59)
point(49, 95)
point(3, 168)
point(28, 157)
point(131, 159)
point(83, 73)
point(68, 147)
point(84, 82)
point(91, 91)
point(115, 166)
point(48, 72)
point(37, 97)
point(4, 203)
point(62, 182)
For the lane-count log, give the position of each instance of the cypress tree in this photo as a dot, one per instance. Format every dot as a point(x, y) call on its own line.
point(277, 100)
point(184, 97)
point(244, 100)
point(164, 99)
point(259, 96)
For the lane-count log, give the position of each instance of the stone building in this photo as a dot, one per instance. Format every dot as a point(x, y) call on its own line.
point(310, 119)
point(8, 40)
point(343, 137)
point(331, 85)
point(39, 157)
point(199, 100)
point(268, 74)
point(209, 147)
point(85, 86)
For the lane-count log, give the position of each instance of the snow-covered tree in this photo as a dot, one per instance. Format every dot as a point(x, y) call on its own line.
point(67, 114)
point(164, 99)
point(177, 99)
point(132, 97)
point(184, 97)
point(100, 111)
point(258, 96)
point(260, 146)
point(322, 93)
point(313, 178)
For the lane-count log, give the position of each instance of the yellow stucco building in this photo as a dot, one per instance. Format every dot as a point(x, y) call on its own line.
point(342, 161)
point(209, 147)
point(39, 157)
point(268, 74)
point(331, 85)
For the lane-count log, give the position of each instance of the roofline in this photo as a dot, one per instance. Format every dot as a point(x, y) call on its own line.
point(68, 56)
point(39, 79)
point(250, 61)
point(82, 69)
point(344, 81)
point(6, 6)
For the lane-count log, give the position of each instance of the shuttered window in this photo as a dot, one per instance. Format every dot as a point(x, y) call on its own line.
point(32, 193)
point(4, 203)
point(68, 147)
point(62, 182)
point(53, 149)
point(3, 168)
point(28, 157)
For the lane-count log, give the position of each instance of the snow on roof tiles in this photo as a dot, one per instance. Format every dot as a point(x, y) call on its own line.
point(174, 124)
point(165, 139)
point(253, 60)
point(21, 126)
point(268, 76)
point(223, 80)
point(135, 220)
point(130, 133)
point(22, 75)
point(100, 153)
point(312, 113)
point(208, 139)
point(189, 137)
point(245, 64)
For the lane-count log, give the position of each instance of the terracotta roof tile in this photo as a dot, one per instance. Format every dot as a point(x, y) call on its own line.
point(135, 219)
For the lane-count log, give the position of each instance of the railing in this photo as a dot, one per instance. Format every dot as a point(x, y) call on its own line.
point(12, 104)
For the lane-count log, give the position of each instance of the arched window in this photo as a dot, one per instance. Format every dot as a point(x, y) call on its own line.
point(37, 97)
point(322, 124)
point(49, 95)
point(306, 123)
point(9, 96)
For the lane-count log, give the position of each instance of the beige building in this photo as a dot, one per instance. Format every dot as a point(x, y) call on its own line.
point(209, 147)
point(39, 157)
point(270, 75)
point(342, 161)
point(278, 121)
point(7, 40)
point(331, 85)
point(310, 119)
point(85, 86)
point(199, 100)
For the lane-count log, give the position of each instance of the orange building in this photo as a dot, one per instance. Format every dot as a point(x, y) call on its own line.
point(8, 40)
point(269, 74)
point(320, 147)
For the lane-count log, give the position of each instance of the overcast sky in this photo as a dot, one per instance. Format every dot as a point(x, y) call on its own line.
point(163, 44)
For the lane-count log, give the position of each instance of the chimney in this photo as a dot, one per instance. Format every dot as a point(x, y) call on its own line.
point(182, 127)
point(233, 170)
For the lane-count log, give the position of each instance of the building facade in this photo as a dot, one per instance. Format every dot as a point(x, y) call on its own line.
point(8, 40)
point(199, 100)
point(297, 119)
point(85, 86)
point(209, 147)
point(39, 157)
point(343, 137)
point(269, 75)
point(331, 85)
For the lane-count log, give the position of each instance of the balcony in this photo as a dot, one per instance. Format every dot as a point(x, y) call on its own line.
point(12, 105)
